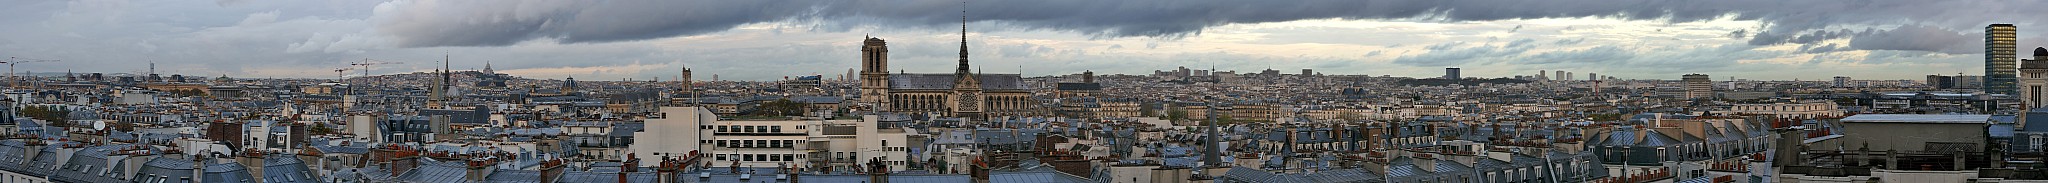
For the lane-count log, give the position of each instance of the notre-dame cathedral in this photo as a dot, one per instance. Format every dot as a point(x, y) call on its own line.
point(958, 94)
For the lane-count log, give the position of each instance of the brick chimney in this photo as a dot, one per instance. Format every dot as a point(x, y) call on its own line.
point(550, 170)
point(253, 159)
point(480, 168)
point(979, 170)
point(632, 163)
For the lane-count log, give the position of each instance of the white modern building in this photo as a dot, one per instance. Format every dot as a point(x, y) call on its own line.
point(805, 144)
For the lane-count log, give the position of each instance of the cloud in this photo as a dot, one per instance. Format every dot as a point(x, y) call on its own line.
point(1830, 47)
point(1454, 53)
point(498, 23)
point(1767, 38)
point(1599, 54)
point(1920, 38)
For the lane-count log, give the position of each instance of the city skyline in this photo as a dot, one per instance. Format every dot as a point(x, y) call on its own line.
point(1746, 39)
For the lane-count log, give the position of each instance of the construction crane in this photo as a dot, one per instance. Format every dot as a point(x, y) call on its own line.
point(339, 71)
point(366, 69)
point(368, 62)
point(15, 82)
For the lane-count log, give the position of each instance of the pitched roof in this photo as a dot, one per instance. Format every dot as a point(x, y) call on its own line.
point(945, 81)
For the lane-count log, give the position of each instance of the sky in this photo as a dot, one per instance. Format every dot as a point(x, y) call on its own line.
point(767, 40)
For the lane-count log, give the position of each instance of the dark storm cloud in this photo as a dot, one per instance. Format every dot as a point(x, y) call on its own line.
point(1799, 38)
point(495, 23)
point(1919, 38)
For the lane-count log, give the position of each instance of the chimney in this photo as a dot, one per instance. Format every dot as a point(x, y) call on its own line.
point(254, 160)
point(979, 170)
point(666, 171)
point(480, 168)
point(632, 163)
point(199, 161)
point(34, 148)
point(550, 170)
point(402, 164)
point(1426, 161)
point(311, 157)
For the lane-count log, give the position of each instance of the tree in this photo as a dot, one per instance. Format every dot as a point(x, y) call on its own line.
point(783, 107)
point(57, 116)
point(1176, 114)
point(1147, 111)
point(320, 129)
point(1224, 120)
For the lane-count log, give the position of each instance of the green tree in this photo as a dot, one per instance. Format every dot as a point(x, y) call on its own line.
point(57, 116)
point(1176, 114)
point(783, 107)
point(1147, 111)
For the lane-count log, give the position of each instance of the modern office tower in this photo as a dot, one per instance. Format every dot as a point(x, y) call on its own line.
point(1560, 76)
point(2000, 71)
point(1451, 73)
point(1592, 76)
point(1540, 76)
point(1567, 76)
point(1698, 86)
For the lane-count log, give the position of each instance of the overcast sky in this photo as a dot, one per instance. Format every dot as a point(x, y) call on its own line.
point(761, 40)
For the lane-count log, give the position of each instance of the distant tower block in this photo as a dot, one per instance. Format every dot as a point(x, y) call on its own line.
point(1698, 86)
point(2000, 50)
point(1452, 73)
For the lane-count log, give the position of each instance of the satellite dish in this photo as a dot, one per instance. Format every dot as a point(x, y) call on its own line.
point(99, 125)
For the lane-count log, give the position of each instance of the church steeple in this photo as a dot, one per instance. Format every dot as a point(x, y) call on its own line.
point(964, 79)
point(963, 40)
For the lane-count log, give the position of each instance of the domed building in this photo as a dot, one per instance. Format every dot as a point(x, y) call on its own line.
point(2034, 78)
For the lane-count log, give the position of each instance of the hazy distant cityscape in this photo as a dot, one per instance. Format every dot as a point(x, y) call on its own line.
point(1540, 105)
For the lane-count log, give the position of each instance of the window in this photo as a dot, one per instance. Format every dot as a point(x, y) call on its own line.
point(775, 129)
point(721, 129)
point(2034, 142)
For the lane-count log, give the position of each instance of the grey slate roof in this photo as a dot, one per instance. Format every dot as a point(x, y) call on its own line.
point(287, 169)
point(227, 172)
point(435, 171)
point(945, 81)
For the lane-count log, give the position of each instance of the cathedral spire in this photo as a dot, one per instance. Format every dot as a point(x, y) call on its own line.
point(963, 40)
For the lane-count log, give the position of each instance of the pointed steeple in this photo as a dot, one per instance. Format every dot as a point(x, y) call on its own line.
point(964, 79)
point(963, 39)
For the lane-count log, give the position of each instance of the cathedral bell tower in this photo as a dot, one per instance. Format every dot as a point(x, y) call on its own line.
point(874, 74)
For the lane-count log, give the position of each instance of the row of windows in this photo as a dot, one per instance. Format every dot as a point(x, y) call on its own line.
point(755, 143)
point(747, 128)
point(757, 157)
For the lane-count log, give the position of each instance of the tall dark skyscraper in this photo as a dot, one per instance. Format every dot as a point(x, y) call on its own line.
point(2001, 70)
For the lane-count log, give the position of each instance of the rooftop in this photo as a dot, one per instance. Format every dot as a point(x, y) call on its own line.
point(1918, 118)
